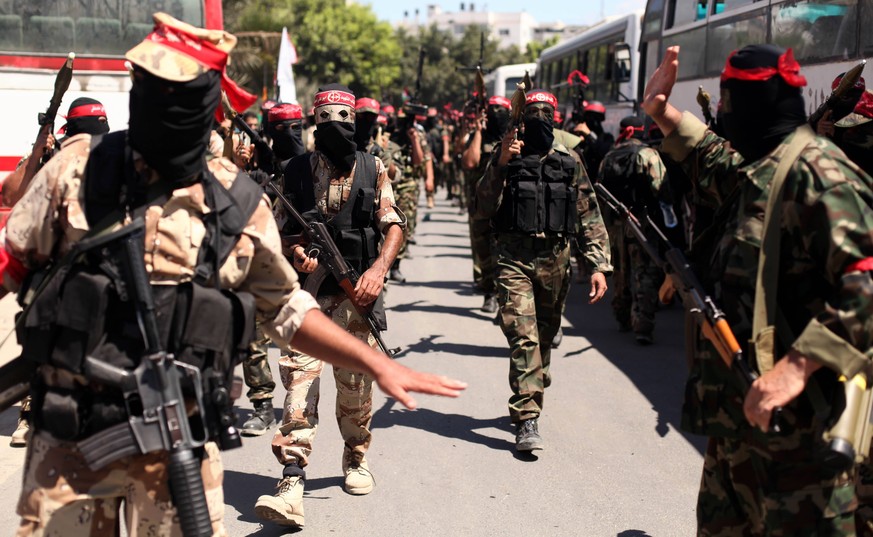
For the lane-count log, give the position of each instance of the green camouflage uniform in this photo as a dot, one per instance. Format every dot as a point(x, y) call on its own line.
point(408, 189)
point(532, 284)
point(777, 484)
point(637, 278)
point(481, 234)
point(256, 369)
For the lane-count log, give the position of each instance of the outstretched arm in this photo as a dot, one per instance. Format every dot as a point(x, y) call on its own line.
point(656, 96)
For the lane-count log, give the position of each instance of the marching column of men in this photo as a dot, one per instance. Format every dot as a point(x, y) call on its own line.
point(217, 251)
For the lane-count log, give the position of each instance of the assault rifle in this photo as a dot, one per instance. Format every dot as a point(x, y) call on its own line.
point(14, 187)
point(848, 81)
point(518, 101)
point(413, 106)
point(154, 394)
point(704, 100)
point(479, 79)
point(331, 261)
point(707, 314)
point(266, 158)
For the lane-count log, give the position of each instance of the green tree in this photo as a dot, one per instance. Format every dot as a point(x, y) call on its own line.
point(536, 48)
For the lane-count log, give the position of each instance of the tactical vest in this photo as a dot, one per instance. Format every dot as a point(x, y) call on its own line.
point(539, 196)
point(353, 228)
point(621, 176)
point(87, 311)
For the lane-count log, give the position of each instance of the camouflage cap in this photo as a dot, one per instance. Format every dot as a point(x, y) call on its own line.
point(180, 52)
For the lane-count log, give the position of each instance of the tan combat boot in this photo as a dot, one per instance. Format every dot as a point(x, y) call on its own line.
point(286, 506)
point(21, 434)
point(359, 480)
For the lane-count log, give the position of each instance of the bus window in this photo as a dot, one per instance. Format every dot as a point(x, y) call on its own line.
point(816, 30)
point(693, 43)
point(653, 17)
point(720, 6)
point(682, 12)
point(725, 38)
point(622, 70)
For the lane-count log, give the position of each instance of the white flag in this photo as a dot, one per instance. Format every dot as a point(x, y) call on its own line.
point(285, 72)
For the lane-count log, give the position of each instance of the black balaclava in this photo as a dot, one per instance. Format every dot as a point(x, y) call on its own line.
point(170, 122)
point(497, 122)
point(365, 129)
point(336, 139)
point(758, 114)
point(84, 116)
point(284, 127)
point(538, 126)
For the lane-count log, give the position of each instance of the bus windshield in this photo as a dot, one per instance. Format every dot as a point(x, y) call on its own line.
point(87, 27)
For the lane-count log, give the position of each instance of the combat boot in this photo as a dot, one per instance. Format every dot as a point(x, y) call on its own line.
point(559, 337)
point(527, 436)
point(394, 274)
point(261, 420)
point(358, 479)
point(286, 506)
point(21, 434)
point(490, 303)
point(430, 200)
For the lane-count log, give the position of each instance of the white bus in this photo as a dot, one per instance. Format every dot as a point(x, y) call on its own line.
point(37, 35)
point(607, 54)
point(502, 80)
point(828, 38)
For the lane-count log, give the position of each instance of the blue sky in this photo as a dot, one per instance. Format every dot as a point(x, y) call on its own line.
point(581, 12)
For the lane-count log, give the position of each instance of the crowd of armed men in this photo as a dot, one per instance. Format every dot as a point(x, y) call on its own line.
point(152, 261)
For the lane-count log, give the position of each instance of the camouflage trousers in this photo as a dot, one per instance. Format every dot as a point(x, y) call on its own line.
point(300, 373)
point(481, 246)
point(749, 490)
point(636, 281)
point(60, 495)
point(256, 369)
point(406, 194)
point(532, 285)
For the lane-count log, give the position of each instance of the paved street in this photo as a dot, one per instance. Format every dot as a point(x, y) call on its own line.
point(615, 462)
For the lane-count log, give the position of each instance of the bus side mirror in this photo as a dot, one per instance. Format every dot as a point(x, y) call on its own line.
point(622, 70)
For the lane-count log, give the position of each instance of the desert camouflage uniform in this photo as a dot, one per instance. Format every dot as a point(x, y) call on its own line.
point(777, 484)
point(58, 496)
point(637, 278)
point(408, 189)
point(533, 278)
point(292, 442)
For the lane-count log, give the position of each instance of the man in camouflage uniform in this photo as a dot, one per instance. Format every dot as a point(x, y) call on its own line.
point(350, 191)
point(484, 140)
point(175, 92)
point(538, 197)
point(635, 174)
point(415, 164)
point(850, 124)
point(755, 482)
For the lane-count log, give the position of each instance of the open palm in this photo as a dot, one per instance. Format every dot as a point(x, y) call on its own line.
point(661, 83)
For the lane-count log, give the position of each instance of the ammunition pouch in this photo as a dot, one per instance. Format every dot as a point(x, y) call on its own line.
point(539, 196)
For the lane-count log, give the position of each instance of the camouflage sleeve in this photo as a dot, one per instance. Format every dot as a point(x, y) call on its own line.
point(591, 238)
point(704, 156)
point(489, 189)
point(653, 168)
point(281, 302)
point(385, 203)
point(834, 219)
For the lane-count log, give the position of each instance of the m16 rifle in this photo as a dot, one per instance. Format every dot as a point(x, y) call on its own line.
point(695, 298)
point(331, 262)
point(15, 186)
point(848, 81)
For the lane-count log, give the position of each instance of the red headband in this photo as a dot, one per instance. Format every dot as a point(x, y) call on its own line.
point(628, 132)
point(85, 110)
point(541, 97)
point(284, 112)
point(207, 54)
point(788, 69)
point(334, 97)
point(580, 75)
point(388, 109)
point(500, 101)
point(365, 102)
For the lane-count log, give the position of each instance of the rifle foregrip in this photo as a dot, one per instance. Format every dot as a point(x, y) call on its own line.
point(186, 487)
point(723, 329)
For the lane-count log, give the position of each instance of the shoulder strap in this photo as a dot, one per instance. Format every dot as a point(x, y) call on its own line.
point(768, 260)
point(297, 182)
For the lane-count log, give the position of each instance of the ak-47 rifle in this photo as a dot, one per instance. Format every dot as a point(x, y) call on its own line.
point(479, 79)
point(518, 101)
point(414, 105)
point(331, 261)
point(704, 100)
point(15, 186)
point(266, 158)
point(695, 298)
point(848, 81)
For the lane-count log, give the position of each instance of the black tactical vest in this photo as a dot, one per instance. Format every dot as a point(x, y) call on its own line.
point(539, 195)
point(353, 228)
point(87, 311)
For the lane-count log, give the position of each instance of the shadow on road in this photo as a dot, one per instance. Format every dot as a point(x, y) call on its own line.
point(448, 425)
point(658, 371)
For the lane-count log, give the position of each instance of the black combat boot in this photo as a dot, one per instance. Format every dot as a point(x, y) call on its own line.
point(527, 436)
point(394, 274)
point(261, 420)
point(490, 304)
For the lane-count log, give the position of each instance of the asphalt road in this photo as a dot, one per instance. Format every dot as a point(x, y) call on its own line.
point(615, 463)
